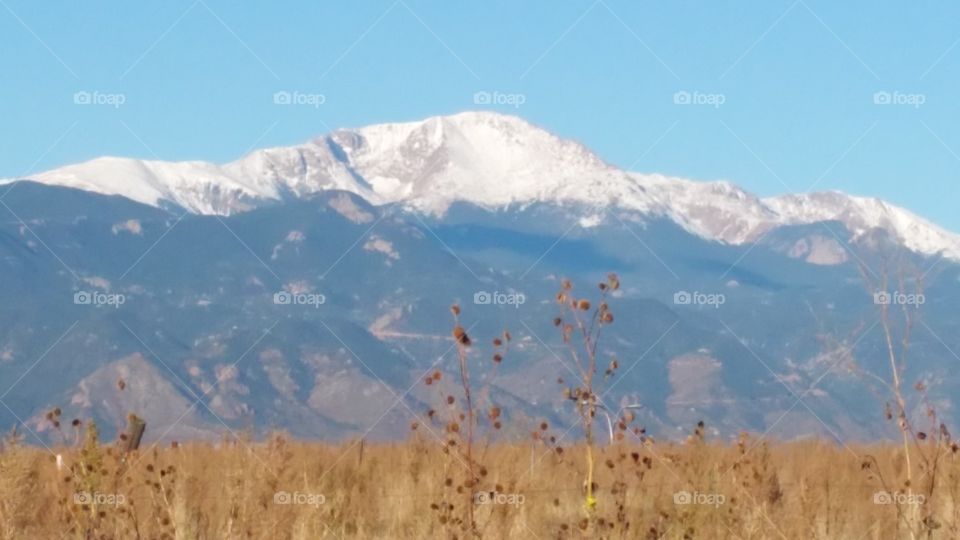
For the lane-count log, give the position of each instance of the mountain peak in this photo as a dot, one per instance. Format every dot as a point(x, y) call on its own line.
point(491, 160)
point(486, 158)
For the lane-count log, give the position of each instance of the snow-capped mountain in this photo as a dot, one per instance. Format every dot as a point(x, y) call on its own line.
point(490, 160)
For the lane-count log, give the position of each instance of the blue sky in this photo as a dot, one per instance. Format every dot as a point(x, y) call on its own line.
point(784, 92)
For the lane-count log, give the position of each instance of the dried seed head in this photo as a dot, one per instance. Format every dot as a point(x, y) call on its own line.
point(583, 305)
point(461, 335)
point(613, 281)
point(455, 309)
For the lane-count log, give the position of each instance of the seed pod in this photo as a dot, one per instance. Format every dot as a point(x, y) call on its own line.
point(613, 281)
point(461, 335)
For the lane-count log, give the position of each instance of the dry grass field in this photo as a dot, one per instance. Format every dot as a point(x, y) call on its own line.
point(449, 479)
point(283, 489)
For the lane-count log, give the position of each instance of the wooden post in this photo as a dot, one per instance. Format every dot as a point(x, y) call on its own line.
point(135, 429)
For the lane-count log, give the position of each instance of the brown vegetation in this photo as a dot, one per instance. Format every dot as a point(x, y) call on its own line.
point(280, 489)
point(450, 479)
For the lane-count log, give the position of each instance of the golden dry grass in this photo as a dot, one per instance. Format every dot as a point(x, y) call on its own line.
point(282, 489)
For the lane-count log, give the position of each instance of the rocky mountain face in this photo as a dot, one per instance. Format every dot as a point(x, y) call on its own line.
point(307, 289)
point(492, 161)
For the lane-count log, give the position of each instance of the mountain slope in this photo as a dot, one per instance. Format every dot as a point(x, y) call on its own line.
point(492, 161)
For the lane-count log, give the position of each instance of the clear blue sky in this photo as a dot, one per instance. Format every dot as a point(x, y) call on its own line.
point(797, 81)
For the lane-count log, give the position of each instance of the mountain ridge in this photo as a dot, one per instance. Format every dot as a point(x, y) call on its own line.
point(493, 161)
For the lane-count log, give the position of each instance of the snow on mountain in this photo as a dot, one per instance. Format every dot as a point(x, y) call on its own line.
point(861, 214)
point(490, 160)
